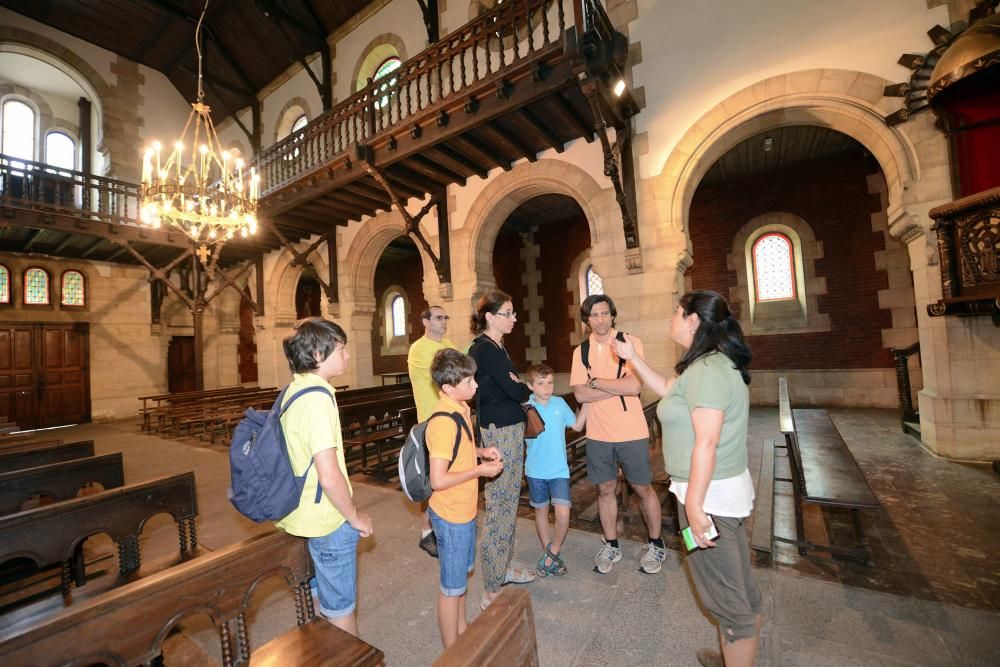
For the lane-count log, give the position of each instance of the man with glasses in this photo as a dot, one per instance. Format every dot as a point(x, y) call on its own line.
point(617, 433)
point(425, 392)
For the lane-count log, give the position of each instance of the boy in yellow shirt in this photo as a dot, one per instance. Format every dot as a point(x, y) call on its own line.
point(454, 499)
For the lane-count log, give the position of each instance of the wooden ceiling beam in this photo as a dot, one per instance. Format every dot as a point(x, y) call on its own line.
point(434, 170)
point(30, 241)
point(151, 36)
point(404, 180)
point(327, 206)
point(91, 248)
point(506, 141)
point(561, 108)
point(361, 195)
point(443, 153)
point(481, 151)
point(541, 128)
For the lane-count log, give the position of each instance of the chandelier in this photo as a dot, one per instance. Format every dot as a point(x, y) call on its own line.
point(211, 198)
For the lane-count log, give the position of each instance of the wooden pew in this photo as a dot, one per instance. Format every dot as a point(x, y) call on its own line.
point(27, 443)
point(53, 534)
point(502, 636)
point(825, 473)
point(127, 626)
point(40, 454)
point(61, 481)
point(158, 399)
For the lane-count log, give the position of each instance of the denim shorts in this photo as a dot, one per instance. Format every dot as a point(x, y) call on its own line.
point(335, 584)
point(456, 553)
point(544, 491)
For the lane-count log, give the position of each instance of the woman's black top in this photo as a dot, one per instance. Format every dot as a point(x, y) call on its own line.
point(500, 397)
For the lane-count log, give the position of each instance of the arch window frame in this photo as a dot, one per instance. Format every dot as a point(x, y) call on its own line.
point(63, 290)
point(35, 126)
point(74, 157)
point(28, 289)
point(788, 270)
point(6, 287)
point(393, 343)
point(588, 281)
point(384, 99)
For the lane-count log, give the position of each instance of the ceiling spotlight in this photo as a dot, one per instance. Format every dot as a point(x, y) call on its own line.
point(768, 144)
point(619, 87)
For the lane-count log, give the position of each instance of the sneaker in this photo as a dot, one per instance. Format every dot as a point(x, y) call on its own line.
point(606, 557)
point(429, 543)
point(710, 658)
point(651, 558)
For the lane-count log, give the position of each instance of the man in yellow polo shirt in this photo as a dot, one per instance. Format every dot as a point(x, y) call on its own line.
point(425, 392)
point(333, 525)
point(617, 433)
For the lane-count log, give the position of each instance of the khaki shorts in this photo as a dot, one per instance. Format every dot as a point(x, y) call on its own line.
point(723, 579)
point(603, 459)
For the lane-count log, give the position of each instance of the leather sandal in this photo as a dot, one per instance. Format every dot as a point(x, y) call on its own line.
point(517, 576)
point(550, 564)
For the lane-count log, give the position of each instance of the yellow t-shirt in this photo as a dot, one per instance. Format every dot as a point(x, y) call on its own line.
point(418, 363)
point(606, 420)
point(458, 504)
point(310, 426)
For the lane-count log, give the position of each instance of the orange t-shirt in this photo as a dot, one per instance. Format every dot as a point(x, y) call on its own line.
point(458, 504)
point(606, 420)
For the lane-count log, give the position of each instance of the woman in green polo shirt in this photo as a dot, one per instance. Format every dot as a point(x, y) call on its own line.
point(705, 412)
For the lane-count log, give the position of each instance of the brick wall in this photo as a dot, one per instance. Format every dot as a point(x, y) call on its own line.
point(409, 275)
point(832, 197)
point(560, 244)
point(507, 269)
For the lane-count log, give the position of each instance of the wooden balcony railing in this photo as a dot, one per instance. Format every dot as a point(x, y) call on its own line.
point(36, 185)
point(478, 53)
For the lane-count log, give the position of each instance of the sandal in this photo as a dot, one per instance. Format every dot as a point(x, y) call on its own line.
point(554, 567)
point(517, 576)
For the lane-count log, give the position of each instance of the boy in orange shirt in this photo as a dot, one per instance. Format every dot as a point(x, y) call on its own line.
point(455, 497)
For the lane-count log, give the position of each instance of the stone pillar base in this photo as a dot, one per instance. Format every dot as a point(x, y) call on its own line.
point(961, 427)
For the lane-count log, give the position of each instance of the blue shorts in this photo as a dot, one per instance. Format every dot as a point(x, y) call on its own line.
point(335, 558)
point(544, 491)
point(456, 553)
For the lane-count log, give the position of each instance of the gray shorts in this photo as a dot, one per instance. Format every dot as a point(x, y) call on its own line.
point(603, 459)
point(723, 578)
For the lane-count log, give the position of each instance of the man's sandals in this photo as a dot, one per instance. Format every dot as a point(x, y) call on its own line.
point(550, 564)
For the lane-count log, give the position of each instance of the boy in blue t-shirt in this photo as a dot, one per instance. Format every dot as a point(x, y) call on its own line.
point(546, 467)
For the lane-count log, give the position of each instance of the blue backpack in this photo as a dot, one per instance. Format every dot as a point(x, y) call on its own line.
point(263, 486)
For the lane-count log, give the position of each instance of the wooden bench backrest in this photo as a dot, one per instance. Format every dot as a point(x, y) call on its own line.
point(128, 625)
point(61, 481)
point(785, 423)
point(42, 454)
point(27, 443)
point(502, 636)
point(48, 534)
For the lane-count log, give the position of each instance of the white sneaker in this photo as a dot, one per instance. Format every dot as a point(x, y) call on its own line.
point(651, 558)
point(606, 557)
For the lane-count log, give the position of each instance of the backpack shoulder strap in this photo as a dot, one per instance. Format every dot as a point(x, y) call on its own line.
point(621, 362)
point(460, 424)
point(296, 395)
point(585, 353)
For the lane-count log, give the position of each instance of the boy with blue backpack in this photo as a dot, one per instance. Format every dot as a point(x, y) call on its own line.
point(454, 476)
point(546, 468)
point(326, 513)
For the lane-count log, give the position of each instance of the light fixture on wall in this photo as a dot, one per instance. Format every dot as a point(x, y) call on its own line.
point(768, 144)
point(211, 198)
point(619, 87)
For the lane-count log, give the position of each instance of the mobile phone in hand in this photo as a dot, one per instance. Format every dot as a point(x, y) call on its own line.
point(688, 536)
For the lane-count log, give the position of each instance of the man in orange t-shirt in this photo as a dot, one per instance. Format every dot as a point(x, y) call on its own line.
point(617, 433)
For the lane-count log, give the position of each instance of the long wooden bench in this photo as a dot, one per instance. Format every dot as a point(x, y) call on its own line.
point(502, 636)
point(127, 626)
point(60, 481)
point(823, 472)
point(43, 453)
point(54, 534)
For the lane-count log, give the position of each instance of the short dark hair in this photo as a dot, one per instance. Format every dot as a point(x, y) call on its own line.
point(425, 314)
point(591, 301)
point(717, 330)
point(536, 371)
point(491, 302)
point(312, 337)
point(451, 367)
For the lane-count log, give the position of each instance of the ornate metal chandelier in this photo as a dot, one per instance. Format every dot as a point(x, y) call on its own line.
point(212, 198)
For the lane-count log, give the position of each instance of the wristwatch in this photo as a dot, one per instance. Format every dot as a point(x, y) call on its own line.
point(592, 383)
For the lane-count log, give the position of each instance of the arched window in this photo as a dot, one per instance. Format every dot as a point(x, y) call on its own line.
point(299, 123)
point(36, 287)
point(595, 284)
point(74, 289)
point(398, 316)
point(60, 150)
point(773, 268)
point(385, 71)
point(4, 284)
point(18, 130)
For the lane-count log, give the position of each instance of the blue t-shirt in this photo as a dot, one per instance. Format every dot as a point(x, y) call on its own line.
point(547, 453)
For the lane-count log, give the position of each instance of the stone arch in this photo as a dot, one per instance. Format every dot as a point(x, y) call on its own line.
point(290, 112)
point(913, 156)
point(285, 276)
point(376, 51)
point(509, 190)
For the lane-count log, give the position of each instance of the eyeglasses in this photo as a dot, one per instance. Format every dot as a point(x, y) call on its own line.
point(508, 314)
point(441, 317)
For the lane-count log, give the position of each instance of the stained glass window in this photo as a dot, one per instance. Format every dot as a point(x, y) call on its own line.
point(4, 284)
point(773, 268)
point(388, 66)
point(73, 292)
point(595, 284)
point(398, 316)
point(18, 130)
point(36, 287)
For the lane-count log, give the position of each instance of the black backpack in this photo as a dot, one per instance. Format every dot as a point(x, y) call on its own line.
point(585, 358)
point(415, 459)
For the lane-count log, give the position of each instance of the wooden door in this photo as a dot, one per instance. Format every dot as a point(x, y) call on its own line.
point(180, 364)
point(44, 374)
point(247, 350)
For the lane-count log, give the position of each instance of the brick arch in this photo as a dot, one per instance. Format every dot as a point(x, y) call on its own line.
point(511, 189)
point(912, 156)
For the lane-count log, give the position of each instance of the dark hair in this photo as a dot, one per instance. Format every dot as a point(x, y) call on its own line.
point(718, 330)
point(491, 302)
point(591, 301)
point(451, 367)
point(536, 371)
point(312, 336)
point(425, 314)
